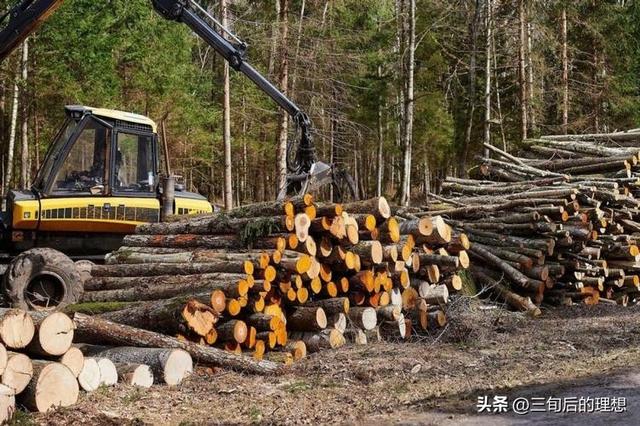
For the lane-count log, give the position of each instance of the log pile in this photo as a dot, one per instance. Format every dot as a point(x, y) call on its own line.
point(559, 223)
point(277, 280)
point(41, 369)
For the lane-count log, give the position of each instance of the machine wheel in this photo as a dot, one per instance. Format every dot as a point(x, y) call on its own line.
point(42, 279)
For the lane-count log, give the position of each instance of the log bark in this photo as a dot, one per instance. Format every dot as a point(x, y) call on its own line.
point(159, 269)
point(379, 207)
point(130, 282)
point(217, 224)
point(227, 242)
point(363, 317)
point(307, 319)
point(170, 316)
point(331, 306)
point(170, 366)
point(318, 341)
point(91, 330)
point(232, 331)
point(164, 291)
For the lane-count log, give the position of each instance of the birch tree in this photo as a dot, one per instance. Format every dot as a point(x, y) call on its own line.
point(226, 119)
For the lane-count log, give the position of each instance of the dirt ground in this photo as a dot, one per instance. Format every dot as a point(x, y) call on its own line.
point(437, 379)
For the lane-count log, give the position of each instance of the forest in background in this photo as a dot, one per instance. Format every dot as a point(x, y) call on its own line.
point(401, 92)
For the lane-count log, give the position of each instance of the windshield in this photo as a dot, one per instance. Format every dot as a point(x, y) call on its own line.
point(85, 163)
point(55, 150)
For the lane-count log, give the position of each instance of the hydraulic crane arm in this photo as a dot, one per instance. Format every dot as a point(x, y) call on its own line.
point(186, 11)
point(305, 172)
point(21, 21)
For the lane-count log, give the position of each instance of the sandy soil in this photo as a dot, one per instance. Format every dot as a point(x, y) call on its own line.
point(433, 380)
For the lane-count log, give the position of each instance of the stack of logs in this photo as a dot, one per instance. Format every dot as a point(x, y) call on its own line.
point(41, 369)
point(561, 222)
point(315, 276)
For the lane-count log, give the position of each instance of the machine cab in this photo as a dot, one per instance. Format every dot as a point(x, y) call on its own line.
point(100, 175)
point(100, 152)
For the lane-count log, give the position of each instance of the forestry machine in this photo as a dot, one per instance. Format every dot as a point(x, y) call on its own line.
point(101, 176)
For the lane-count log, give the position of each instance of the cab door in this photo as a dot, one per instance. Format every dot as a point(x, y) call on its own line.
point(80, 195)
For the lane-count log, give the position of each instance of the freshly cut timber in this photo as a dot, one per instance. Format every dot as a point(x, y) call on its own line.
point(363, 317)
point(217, 224)
point(118, 283)
point(96, 330)
point(307, 319)
point(18, 372)
point(53, 385)
point(135, 374)
point(317, 341)
point(7, 404)
point(170, 316)
point(53, 335)
point(229, 242)
point(170, 366)
point(108, 372)
point(155, 269)
point(73, 359)
point(331, 306)
point(16, 328)
point(89, 377)
point(379, 207)
point(176, 287)
point(3, 358)
point(232, 331)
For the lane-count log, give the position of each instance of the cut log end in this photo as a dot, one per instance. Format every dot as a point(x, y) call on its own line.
point(53, 386)
point(177, 366)
point(135, 374)
point(89, 377)
point(74, 360)
point(16, 328)
point(18, 372)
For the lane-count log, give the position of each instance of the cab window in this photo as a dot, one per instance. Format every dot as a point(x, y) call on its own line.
point(134, 163)
point(83, 170)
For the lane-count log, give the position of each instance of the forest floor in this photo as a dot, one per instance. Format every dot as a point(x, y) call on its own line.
point(567, 352)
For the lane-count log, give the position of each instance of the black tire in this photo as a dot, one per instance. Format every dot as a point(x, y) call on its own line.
point(42, 279)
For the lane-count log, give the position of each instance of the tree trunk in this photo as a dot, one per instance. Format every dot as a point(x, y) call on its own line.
point(283, 82)
point(523, 75)
point(24, 160)
point(405, 194)
point(380, 163)
point(530, 80)
point(487, 85)
point(471, 90)
point(226, 126)
point(12, 135)
point(565, 74)
point(92, 330)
